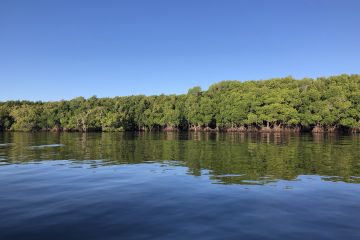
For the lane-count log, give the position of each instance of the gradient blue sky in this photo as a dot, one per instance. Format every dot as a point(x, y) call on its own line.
point(51, 50)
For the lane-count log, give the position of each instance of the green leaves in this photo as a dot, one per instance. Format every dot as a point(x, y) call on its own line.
point(283, 102)
point(26, 117)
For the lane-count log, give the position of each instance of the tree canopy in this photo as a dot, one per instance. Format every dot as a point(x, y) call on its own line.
point(322, 104)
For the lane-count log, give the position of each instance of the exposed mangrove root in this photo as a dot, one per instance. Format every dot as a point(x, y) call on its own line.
point(325, 129)
point(170, 129)
point(355, 130)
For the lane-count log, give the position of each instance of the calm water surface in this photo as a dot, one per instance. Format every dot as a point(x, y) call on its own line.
point(179, 186)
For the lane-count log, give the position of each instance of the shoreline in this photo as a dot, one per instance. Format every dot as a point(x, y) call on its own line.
point(315, 130)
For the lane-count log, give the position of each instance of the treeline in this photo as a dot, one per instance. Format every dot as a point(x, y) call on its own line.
point(282, 104)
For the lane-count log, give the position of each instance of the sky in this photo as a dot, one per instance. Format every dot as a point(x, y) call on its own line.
point(53, 50)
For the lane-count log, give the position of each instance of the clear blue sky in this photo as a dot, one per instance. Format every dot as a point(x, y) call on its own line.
point(51, 50)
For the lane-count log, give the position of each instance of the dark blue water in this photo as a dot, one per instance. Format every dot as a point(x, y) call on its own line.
point(179, 186)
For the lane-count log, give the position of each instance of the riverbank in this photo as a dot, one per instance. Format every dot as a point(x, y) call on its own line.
point(243, 129)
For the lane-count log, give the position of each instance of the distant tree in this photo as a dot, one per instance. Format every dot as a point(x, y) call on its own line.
point(279, 103)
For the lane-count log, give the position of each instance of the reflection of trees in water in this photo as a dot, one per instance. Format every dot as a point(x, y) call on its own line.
point(246, 158)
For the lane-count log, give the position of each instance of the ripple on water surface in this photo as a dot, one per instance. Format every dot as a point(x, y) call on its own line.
point(120, 186)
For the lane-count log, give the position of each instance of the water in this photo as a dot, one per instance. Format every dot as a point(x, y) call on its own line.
point(179, 186)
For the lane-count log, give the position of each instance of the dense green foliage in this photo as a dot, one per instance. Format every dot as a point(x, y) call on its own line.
point(323, 104)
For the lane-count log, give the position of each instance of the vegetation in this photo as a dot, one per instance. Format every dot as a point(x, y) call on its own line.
point(283, 104)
